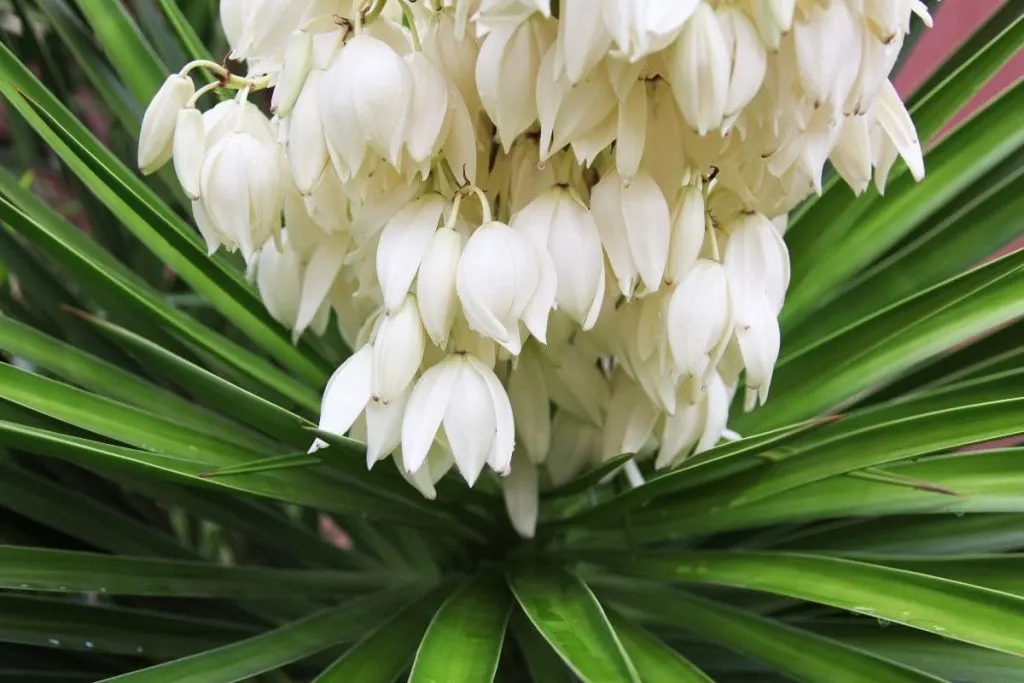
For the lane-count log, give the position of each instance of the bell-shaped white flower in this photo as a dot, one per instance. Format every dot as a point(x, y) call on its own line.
point(438, 463)
point(528, 394)
point(748, 58)
point(157, 135)
point(496, 14)
point(558, 224)
point(631, 131)
point(635, 227)
point(322, 271)
point(699, 68)
point(643, 27)
point(384, 427)
point(279, 280)
point(436, 284)
point(366, 103)
point(568, 111)
point(773, 19)
point(898, 126)
point(631, 418)
point(189, 150)
point(574, 446)
point(506, 75)
point(688, 229)
point(307, 146)
point(347, 393)
point(522, 496)
point(499, 286)
point(298, 59)
point(699, 323)
point(403, 244)
point(398, 346)
point(827, 44)
point(694, 428)
point(757, 264)
point(463, 396)
point(455, 57)
point(759, 341)
point(243, 191)
point(427, 126)
point(583, 39)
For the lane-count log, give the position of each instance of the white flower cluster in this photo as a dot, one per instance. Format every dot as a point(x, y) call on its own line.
point(550, 231)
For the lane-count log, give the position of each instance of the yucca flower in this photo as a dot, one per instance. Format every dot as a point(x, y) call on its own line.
point(631, 292)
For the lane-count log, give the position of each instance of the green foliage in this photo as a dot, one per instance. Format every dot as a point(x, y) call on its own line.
point(160, 519)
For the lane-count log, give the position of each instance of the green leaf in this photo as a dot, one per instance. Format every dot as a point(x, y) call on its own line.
point(567, 614)
point(589, 480)
point(543, 663)
point(209, 388)
point(98, 375)
point(80, 516)
point(131, 55)
point(192, 43)
point(274, 649)
point(799, 654)
point(982, 481)
point(383, 655)
point(471, 626)
point(998, 572)
point(938, 656)
point(113, 630)
point(919, 435)
point(654, 660)
point(66, 571)
point(955, 610)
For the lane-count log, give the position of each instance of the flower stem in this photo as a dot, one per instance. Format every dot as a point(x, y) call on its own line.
point(407, 11)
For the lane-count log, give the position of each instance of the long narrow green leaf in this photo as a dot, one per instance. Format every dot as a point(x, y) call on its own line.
point(93, 373)
point(66, 571)
point(982, 482)
point(311, 490)
point(955, 610)
point(998, 572)
point(383, 655)
point(654, 660)
point(129, 52)
point(542, 661)
point(97, 629)
point(567, 614)
point(269, 651)
point(939, 656)
point(211, 389)
point(82, 517)
point(464, 640)
point(186, 33)
point(799, 654)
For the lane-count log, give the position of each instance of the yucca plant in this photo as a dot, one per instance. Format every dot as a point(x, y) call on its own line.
point(165, 519)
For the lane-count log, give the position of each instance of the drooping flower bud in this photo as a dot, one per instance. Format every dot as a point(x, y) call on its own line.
point(242, 190)
point(688, 229)
point(189, 150)
point(298, 59)
point(463, 396)
point(699, 323)
point(698, 69)
point(435, 284)
point(403, 244)
point(157, 136)
point(499, 285)
point(522, 496)
point(398, 347)
point(307, 146)
point(506, 73)
point(558, 224)
point(635, 228)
